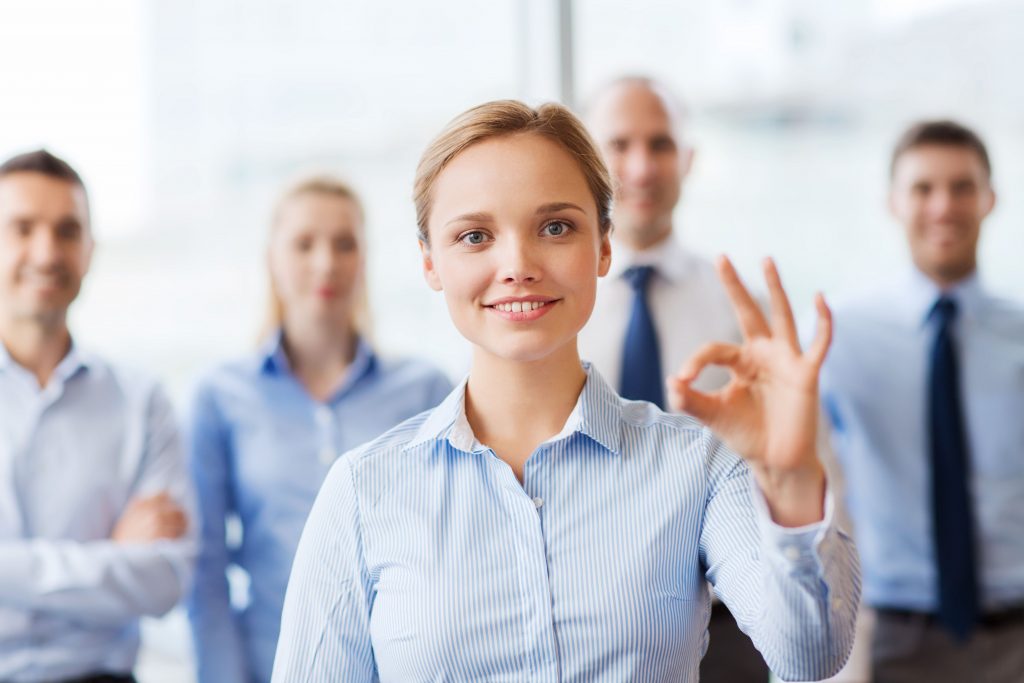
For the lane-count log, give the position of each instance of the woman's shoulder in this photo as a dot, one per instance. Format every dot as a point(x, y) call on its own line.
point(392, 451)
point(228, 375)
point(644, 414)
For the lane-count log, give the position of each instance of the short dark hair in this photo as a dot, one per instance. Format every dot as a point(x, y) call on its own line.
point(941, 132)
point(41, 161)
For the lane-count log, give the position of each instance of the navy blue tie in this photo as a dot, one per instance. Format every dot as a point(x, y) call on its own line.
point(951, 500)
point(641, 363)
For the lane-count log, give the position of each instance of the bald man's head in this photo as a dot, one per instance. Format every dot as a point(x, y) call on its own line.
point(637, 123)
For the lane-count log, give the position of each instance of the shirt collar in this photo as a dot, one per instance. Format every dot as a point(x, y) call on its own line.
point(597, 414)
point(274, 361)
point(76, 359)
point(922, 293)
point(669, 258)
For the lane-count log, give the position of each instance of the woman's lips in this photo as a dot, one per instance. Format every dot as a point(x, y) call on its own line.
point(522, 311)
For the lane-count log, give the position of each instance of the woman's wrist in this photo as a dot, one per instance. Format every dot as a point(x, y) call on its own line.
point(795, 496)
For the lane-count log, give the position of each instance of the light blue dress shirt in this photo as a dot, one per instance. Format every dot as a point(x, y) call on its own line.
point(72, 455)
point(260, 449)
point(874, 386)
point(425, 559)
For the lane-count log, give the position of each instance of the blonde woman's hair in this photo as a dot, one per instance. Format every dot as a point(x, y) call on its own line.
point(329, 186)
point(510, 117)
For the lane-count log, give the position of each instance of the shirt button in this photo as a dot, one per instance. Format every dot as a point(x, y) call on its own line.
point(323, 415)
point(327, 456)
point(792, 553)
point(537, 502)
point(837, 604)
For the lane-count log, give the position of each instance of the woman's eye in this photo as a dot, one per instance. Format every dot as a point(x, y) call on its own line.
point(473, 238)
point(557, 228)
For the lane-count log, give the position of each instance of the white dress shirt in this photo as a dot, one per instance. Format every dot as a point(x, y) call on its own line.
point(72, 455)
point(688, 303)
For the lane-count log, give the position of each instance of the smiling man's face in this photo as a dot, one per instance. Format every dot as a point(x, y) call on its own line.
point(45, 246)
point(941, 194)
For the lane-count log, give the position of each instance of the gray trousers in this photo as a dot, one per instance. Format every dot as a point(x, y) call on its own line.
point(916, 649)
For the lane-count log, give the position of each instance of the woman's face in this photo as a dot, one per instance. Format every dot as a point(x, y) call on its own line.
point(316, 257)
point(515, 246)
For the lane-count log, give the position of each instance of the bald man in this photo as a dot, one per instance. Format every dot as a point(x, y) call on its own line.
point(660, 302)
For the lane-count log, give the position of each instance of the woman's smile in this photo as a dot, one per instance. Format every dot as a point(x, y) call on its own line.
point(522, 309)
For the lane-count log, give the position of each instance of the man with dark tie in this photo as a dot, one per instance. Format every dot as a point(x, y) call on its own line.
point(95, 529)
point(659, 303)
point(924, 386)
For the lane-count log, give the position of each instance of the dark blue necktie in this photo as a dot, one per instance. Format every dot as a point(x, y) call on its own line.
point(641, 363)
point(951, 501)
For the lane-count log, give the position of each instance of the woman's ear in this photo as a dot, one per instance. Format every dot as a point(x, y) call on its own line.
point(605, 258)
point(429, 274)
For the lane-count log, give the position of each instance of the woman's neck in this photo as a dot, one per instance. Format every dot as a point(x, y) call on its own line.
point(514, 406)
point(319, 354)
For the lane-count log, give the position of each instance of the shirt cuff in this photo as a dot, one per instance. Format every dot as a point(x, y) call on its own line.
point(797, 546)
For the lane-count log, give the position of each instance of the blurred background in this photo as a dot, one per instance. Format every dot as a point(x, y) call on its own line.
point(186, 118)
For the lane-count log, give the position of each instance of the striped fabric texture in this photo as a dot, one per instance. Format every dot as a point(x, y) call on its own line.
point(425, 559)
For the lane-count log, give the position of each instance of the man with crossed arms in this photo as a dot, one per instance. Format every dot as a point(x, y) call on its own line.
point(96, 524)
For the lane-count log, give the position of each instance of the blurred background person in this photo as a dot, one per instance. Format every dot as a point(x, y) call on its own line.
point(660, 302)
point(265, 429)
point(925, 389)
point(96, 527)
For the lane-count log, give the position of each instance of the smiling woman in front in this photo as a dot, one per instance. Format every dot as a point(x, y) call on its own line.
point(535, 525)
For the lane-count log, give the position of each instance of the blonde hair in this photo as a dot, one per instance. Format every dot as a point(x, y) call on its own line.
point(509, 117)
point(330, 186)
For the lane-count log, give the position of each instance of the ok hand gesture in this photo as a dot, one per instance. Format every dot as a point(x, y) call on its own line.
point(768, 412)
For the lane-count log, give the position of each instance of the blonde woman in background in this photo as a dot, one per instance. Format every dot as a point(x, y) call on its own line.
point(265, 429)
point(536, 526)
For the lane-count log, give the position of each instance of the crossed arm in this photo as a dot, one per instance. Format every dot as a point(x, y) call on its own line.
point(142, 569)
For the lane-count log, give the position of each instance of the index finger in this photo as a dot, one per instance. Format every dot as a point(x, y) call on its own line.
point(752, 321)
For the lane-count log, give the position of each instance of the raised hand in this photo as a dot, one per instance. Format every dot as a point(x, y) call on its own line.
point(768, 413)
point(150, 519)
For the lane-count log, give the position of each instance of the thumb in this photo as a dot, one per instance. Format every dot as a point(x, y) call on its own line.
point(684, 398)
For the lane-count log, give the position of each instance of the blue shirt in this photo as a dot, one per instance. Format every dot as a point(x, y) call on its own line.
point(72, 455)
point(425, 559)
point(874, 386)
point(260, 448)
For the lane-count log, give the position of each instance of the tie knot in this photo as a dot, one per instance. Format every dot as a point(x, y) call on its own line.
point(638, 277)
point(944, 309)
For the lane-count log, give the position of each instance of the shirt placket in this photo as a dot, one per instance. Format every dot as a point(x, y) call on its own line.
point(327, 434)
point(527, 505)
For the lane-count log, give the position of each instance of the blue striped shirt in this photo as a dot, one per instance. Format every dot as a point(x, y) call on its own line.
point(425, 559)
point(260, 448)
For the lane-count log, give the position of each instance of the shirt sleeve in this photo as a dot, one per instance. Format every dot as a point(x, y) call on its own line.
point(325, 627)
point(794, 591)
point(103, 581)
point(217, 640)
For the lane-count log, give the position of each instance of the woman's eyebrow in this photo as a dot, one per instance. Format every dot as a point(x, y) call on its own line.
point(557, 206)
point(476, 217)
